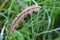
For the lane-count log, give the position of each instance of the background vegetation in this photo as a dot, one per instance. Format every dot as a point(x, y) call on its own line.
point(41, 25)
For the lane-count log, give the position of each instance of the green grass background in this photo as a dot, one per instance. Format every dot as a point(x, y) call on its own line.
point(43, 24)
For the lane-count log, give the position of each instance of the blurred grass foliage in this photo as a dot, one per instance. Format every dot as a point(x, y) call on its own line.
point(43, 24)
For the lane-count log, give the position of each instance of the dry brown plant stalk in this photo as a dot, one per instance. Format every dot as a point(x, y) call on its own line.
point(21, 15)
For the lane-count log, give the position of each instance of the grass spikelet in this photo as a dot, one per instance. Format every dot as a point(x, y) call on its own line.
point(21, 15)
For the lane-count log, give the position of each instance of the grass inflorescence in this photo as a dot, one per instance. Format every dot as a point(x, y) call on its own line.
point(43, 24)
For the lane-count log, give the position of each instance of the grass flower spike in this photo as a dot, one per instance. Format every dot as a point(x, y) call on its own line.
point(21, 15)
